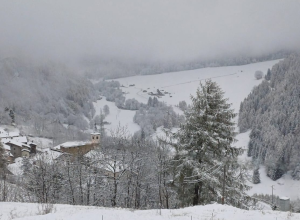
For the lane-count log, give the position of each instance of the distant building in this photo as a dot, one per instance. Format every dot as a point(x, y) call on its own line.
point(95, 138)
point(284, 204)
point(79, 147)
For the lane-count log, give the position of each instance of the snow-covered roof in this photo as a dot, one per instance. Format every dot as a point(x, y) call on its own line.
point(14, 143)
point(6, 147)
point(71, 144)
point(48, 155)
point(22, 139)
point(95, 133)
point(4, 134)
point(26, 145)
point(25, 149)
point(32, 143)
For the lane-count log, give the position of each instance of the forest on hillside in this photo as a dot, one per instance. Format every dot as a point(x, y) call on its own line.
point(271, 111)
point(44, 97)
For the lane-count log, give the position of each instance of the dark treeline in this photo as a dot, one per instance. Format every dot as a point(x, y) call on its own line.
point(271, 111)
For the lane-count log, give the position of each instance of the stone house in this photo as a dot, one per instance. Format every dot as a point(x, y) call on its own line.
point(18, 149)
point(79, 147)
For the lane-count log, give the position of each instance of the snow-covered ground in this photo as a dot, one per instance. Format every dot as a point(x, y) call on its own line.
point(236, 81)
point(208, 212)
point(117, 117)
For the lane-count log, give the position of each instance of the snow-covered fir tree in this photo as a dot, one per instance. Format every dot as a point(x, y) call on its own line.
point(26, 165)
point(205, 157)
point(268, 75)
point(2, 158)
point(256, 176)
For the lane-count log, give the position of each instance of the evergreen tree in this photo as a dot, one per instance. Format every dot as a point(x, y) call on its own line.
point(268, 76)
point(256, 176)
point(2, 158)
point(296, 172)
point(106, 110)
point(150, 101)
point(26, 166)
point(204, 151)
point(102, 129)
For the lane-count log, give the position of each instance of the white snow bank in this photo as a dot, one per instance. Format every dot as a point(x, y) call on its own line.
point(214, 211)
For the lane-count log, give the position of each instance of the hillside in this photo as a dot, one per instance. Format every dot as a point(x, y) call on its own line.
point(43, 96)
point(271, 111)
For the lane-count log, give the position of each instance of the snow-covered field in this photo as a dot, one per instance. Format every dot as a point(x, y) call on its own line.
point(236, 81)
point(117, 117)
point(208, 212)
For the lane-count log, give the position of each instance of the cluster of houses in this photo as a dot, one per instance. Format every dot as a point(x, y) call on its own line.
point(16, 145)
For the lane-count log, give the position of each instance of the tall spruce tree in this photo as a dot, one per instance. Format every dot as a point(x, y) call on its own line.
point(2, 158)
point(256, 176)
point(268, 75)
point(206, 162)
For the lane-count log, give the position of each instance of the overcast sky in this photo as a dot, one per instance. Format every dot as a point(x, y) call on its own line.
point(155, 30)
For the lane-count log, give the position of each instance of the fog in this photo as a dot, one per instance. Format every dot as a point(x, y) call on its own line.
point(156, 30)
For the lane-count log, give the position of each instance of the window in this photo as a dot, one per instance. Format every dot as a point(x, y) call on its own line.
point(97, 137)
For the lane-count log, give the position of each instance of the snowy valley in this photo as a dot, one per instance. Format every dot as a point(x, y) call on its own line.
point(236, 81)
point(130, 109)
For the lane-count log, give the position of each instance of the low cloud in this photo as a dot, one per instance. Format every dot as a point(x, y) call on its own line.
point(169, 30)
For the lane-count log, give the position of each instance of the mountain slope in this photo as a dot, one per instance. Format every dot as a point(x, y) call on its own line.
point(40, 95)
point(272, 112)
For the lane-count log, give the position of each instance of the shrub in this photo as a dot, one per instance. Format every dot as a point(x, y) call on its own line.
point(258, 74)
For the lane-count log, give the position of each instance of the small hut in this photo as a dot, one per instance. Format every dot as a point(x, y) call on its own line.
point(284, 204)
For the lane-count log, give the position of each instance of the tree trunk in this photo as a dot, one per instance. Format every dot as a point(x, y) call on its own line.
point(196, 194)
